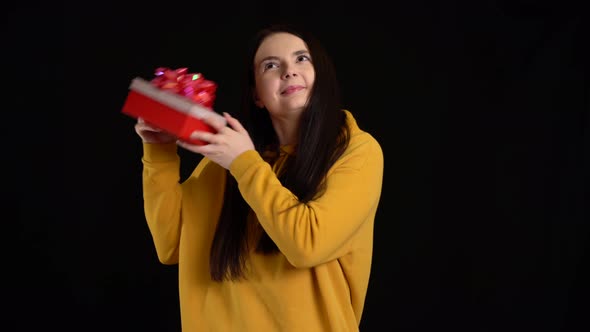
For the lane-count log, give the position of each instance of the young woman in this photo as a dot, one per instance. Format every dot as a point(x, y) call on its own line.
point(273, 230)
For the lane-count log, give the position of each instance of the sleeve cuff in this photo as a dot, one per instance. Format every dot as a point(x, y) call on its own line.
point(242, 162)
point(155, 152)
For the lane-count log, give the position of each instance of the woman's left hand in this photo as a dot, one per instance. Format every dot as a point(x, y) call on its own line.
point(225, 145)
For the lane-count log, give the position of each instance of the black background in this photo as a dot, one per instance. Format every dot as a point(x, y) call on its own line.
point(481, 107)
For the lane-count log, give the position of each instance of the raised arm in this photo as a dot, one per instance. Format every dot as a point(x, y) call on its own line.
point(320, 230)
point(162, 195)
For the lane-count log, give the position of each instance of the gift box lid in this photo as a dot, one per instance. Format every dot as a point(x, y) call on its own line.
point(172, 100)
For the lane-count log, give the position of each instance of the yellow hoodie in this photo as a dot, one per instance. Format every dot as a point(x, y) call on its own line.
point(318, 282)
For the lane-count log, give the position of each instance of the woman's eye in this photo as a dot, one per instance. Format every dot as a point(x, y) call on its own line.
point(303, 58)
point(270, 65)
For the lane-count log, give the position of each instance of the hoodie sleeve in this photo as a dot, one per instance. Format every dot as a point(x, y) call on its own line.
point(319, 230)
point(162, 196)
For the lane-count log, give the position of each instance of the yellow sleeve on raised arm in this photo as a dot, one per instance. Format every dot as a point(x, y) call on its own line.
point(320, 230)
point(162, 196)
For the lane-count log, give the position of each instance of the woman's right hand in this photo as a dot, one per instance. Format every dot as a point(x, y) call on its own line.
point(151, 134)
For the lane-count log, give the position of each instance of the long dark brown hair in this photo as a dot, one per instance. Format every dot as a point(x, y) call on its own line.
point(323, 136)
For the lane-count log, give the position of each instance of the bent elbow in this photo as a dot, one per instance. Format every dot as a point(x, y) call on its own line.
point(168, 257)
point(302, 259)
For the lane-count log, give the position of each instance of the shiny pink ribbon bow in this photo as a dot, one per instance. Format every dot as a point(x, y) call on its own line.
point(191, 85)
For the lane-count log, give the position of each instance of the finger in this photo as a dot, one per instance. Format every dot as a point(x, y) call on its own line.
point(234, 123)
point(210, 117)
point(216, 121)
point(146, 126)
point(207, 149)
point(140, 120)
point(187, 146)
point(203, 136)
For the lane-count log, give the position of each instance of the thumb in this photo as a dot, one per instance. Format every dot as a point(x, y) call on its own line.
point(234, 123)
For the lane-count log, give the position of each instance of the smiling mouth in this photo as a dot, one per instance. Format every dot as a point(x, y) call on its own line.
point(291, 90)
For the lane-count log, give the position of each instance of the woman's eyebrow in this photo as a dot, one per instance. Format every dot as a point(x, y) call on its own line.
point(274, 57)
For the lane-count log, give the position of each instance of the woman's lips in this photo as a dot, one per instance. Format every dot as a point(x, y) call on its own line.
point(291, 89)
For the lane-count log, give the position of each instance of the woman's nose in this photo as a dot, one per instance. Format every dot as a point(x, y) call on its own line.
point(288, 73)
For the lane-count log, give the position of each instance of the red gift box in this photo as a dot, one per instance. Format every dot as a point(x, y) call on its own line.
point(171, 103)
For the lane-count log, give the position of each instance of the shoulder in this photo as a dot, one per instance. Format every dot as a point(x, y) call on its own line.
point(362, 148)
point(359, 138)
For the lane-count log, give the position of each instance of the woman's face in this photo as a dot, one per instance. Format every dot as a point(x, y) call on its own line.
point(284, 74)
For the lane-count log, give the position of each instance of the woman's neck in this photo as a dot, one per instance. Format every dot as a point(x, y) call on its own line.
point(286, 129)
